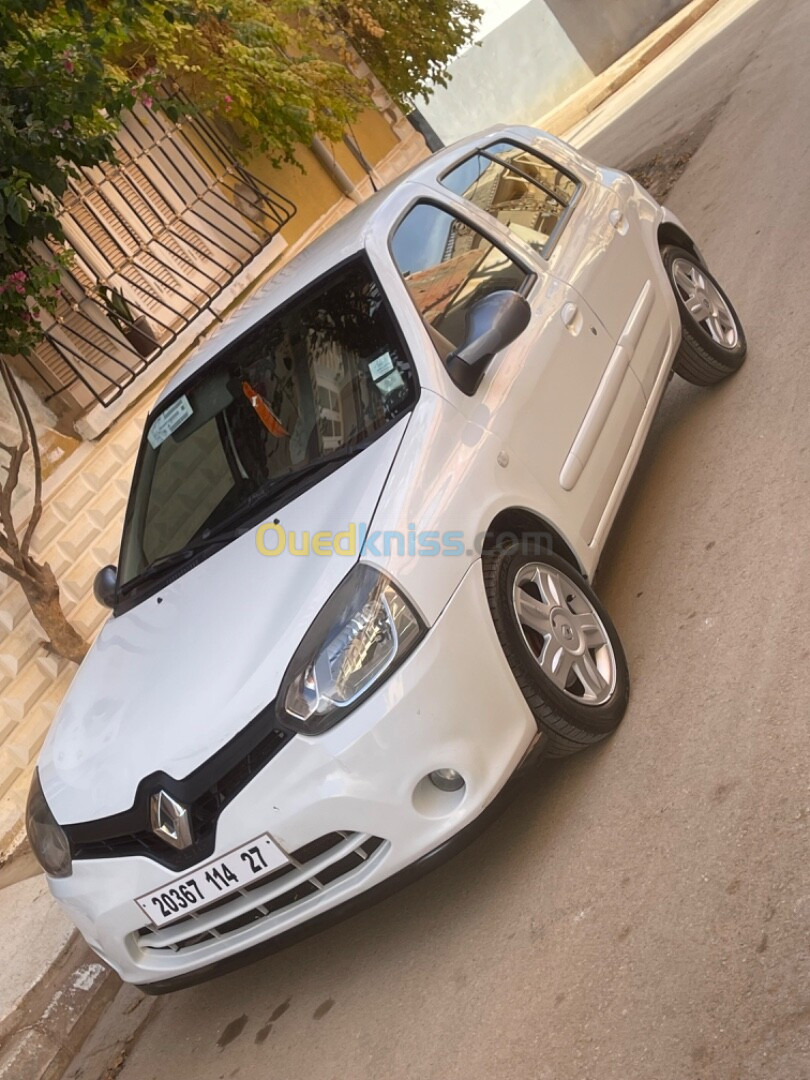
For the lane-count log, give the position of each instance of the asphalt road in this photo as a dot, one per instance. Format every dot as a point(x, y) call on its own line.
point(641, 911)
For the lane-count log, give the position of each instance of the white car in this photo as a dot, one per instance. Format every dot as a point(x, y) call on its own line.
point(353, 599)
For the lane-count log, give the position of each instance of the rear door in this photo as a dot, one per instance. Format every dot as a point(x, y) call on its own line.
point(605, 258)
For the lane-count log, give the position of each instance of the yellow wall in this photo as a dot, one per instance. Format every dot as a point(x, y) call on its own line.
point(312, 190)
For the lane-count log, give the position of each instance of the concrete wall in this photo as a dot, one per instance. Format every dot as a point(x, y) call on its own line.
point(520, 70)
point(603, 30)
point(533, 55)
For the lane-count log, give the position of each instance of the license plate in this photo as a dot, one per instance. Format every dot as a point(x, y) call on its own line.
point(224, 875)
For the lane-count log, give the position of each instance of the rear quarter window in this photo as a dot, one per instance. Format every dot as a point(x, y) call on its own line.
point(527, 193)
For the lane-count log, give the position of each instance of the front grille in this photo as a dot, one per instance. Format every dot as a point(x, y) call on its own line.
point(311, 869)
point(206, 792)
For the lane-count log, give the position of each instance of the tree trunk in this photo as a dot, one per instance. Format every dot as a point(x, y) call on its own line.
point(42, 590)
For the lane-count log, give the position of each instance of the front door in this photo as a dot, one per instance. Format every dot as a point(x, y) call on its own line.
point(536, 395)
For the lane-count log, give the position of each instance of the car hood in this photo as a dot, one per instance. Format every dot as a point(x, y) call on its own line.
point(169, 682)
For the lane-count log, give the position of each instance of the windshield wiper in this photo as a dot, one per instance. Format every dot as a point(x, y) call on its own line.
point(229, 528)
point(172, 559)
point(267, 493)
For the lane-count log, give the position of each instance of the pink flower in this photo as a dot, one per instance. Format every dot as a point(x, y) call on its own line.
point(147, 101)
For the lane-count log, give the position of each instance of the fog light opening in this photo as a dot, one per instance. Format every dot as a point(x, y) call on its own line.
point(447, 779)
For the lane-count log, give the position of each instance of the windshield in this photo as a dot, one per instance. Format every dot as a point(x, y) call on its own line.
point(322, 375)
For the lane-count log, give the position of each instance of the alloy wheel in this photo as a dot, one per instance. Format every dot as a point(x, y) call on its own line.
point(564, 633)
point(705, 303)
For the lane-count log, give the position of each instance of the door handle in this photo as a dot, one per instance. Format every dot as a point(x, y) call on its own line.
point(569, 314)
point(618, 221)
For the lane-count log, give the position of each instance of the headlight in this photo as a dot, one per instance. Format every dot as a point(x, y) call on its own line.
point(361, 634)
point(48, 841)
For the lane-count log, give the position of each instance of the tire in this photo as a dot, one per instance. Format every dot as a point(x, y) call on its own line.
point(564, 715)
point(713, 344)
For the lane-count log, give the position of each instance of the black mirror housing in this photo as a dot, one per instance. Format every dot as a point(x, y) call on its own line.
point(105, 586)
point(493, 322)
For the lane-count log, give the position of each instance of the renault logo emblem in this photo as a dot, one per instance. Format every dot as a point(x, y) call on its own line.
point(170, 820)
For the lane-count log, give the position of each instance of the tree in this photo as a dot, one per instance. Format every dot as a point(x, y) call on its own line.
point(36, 578)
point(407, 43)
point(278, 71)
point(53, 85)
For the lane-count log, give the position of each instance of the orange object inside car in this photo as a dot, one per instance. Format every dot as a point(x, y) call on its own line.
point(264, 412)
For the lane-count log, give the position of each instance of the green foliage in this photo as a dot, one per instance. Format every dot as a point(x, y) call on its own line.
point(277, 70)
point(53, 84)
point(268, 67)
point(407, 43)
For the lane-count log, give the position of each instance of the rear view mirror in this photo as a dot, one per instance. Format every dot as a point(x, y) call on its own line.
point(105, 586)
point(492, 323)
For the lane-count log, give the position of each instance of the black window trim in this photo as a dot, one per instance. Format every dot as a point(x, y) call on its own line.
point(455, 206)
point(485, 151)
point(459, 211)
point(361, 255)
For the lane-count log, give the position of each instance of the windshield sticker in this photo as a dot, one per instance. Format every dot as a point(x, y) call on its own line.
point(381, 366)
point(169, 421)
point(391, 383)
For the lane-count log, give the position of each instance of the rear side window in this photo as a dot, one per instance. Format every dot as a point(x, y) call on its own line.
point(525, 192)
point(447, 266)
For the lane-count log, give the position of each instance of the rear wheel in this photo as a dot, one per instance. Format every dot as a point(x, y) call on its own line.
point(713, 344)
point(561, 645)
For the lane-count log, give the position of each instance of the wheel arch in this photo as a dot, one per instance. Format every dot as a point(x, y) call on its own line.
point(519, 520)
point(670, 231)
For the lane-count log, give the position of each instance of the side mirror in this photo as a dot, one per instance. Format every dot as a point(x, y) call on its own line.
point(492, 323)
point(105, 586)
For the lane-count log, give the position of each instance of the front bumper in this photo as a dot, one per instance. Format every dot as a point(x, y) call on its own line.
point(454, 703)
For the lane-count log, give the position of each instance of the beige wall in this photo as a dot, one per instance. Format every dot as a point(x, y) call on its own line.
point(310, 188)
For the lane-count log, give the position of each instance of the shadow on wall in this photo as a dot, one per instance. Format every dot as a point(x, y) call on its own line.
point(520, 70)
point(602, 32)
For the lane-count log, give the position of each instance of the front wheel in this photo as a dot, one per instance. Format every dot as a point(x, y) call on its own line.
point(561, 645)
point(713, 344)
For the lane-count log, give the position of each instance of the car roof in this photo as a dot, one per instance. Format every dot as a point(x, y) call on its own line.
point(338, 243)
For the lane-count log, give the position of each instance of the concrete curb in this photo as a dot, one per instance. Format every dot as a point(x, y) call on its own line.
point(583, 102)
point(45, 1031)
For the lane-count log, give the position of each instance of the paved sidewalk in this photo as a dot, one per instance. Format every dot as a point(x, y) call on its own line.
point(53, 988)
point(562, 119)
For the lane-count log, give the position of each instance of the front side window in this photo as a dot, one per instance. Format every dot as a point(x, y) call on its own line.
point(447, 266)
point(309, 383)
point(525, 192)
